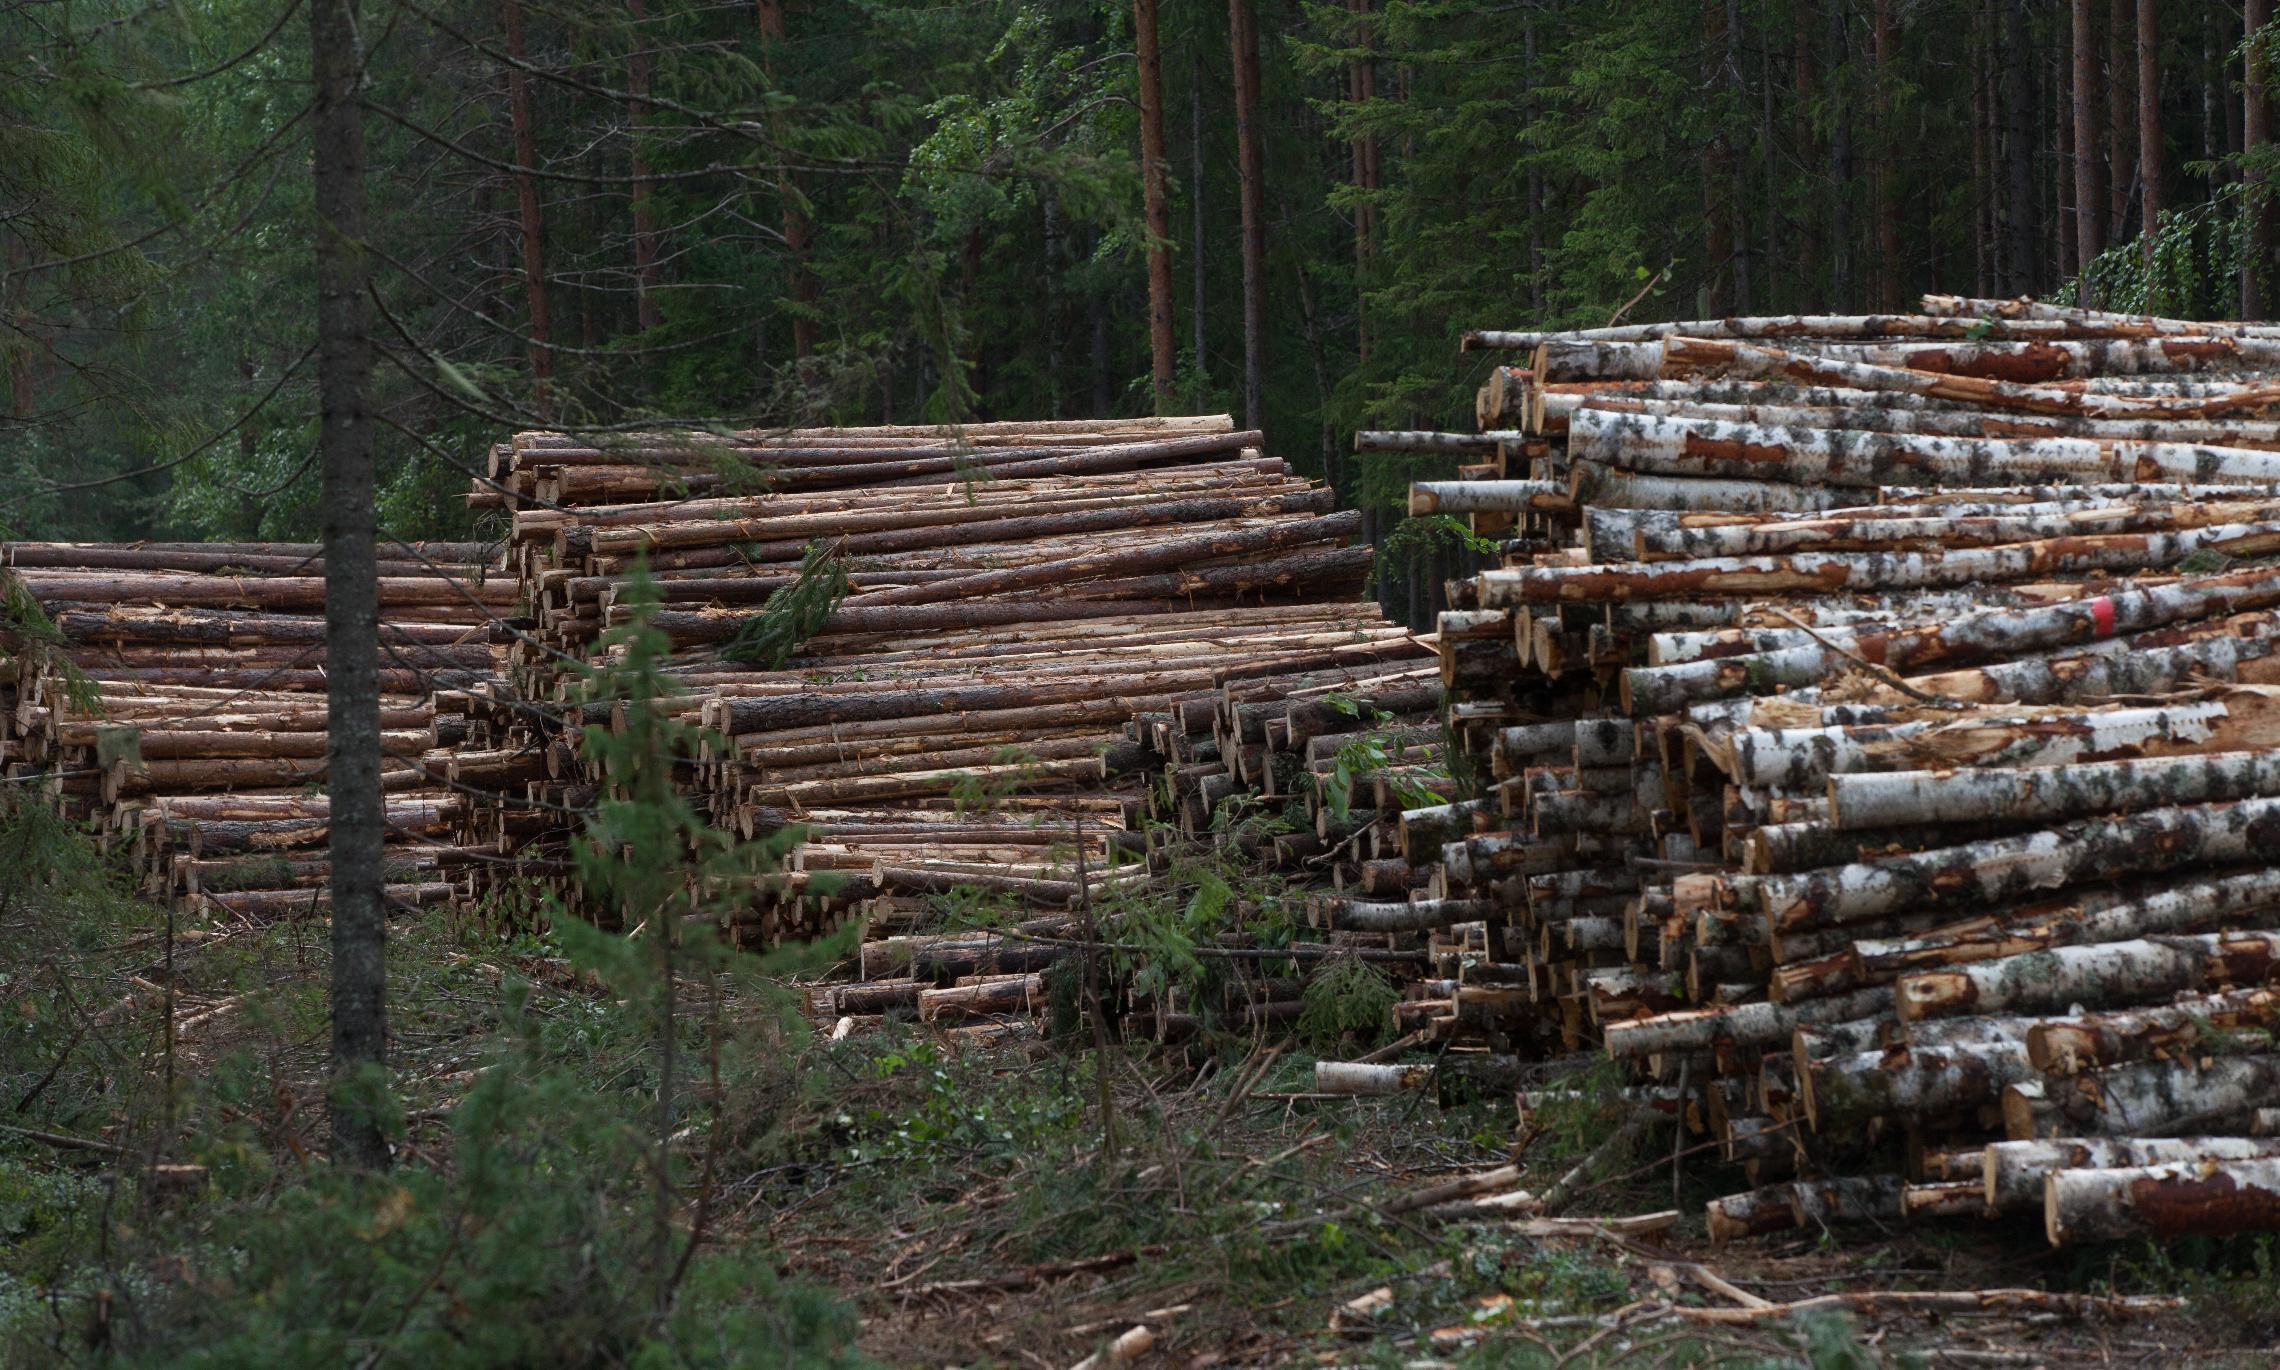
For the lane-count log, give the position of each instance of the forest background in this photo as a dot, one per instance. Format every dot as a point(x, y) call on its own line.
point(609, 213)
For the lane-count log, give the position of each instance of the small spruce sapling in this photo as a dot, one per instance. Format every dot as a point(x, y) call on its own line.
point(672, 881)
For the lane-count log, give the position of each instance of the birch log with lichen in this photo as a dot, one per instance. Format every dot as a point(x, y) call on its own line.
point(1847, 1093)
point(2081, 917)
point(2048, 793)
point(1833, 572)
point(2012, 867)
point(2096, 975)
point(2141, 1098)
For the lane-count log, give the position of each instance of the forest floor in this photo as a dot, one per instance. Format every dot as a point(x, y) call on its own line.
point(883, 1200)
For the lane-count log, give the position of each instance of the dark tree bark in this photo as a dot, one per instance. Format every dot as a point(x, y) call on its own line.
point(2069, 244)
point(1737, 195)
point(1361, 88)
point(1197, 277)
point(799, 233)
point(1717, 179)
point(2255, 138)
point(1533, 109)
point(1840, 175)
point(1888, 144)
point(2121, 118)
point(2020, 229)
point(1155, 201)
point(1805, 80)
point(2089, 190)
point(1770, 220)
point(352, 596)
point(644, 213)
point(541, 335)
point(2152, 163)
point(2213, 103)
point(1251, 156)
point(1982, 176)
point(2233, 108)
point(1096, 323)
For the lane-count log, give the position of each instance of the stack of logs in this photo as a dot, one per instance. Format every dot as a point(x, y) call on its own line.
point(1017, 593)
point(173, 696)
point(1881, 754)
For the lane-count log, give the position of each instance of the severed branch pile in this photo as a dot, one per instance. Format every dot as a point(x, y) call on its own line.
point(1883, 725)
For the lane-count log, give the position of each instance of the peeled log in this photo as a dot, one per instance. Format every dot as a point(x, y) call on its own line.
point(2087, 916)
point(1751, 1214)
point(1156, 556)
point(2097, 975)
point(2010, 867)
point(2066, 1046)
point(1897, 530)
point(1847, 1093)
point(1490, 497)
point(1688, 447)
point(988, 995)
point(2012, 1173)
point(1773, 364)
point(2141, 1099)
point(1360, 1078)
point(2049, 793)
point(1846, 1199)
point(1418, 915)
point(2180, 1198)
point(1835, 572)
point(2245, 718)
point(1742, 1025)
point(1591, 482)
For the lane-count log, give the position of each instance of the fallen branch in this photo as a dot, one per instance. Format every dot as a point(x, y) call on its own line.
point(1873, 1303)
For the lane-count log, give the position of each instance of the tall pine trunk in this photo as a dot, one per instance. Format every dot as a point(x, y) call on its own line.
point(2089, 193)
point(2121, 118)
point(1198, 278)
point(1982, 136)
point(1717, 178)
point(1840, 173)
point(799, 233)
point(1361, 88)
point(1737, 194)
point(1888, 144)
point(541, 336)
point(644, 211)
point(2018, 148)
point(1155, 201)
point(2152, 163)
point(1804, 82)
point(2255, 138)
point(1532, 109)
point(352, 591)
point(2070, 261)
point(1251, 156)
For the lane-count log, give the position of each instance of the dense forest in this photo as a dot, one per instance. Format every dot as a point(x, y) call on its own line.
point(603, 214)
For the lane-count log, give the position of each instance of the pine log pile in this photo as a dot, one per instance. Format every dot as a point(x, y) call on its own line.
point(960, 725)
point(1877, 724)
point(171, 695)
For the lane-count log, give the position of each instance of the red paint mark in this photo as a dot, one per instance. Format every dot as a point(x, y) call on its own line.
point(2102, 614)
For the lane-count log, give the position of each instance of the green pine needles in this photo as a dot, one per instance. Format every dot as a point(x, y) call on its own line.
point(794, 613)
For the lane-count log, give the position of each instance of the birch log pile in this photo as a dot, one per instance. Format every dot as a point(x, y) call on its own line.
point(1876, 721)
